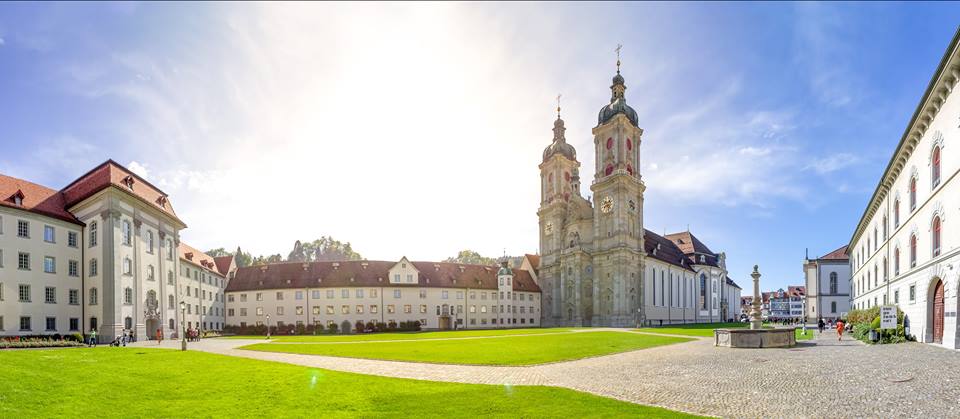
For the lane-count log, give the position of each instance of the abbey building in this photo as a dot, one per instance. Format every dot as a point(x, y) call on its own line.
point(599, 266)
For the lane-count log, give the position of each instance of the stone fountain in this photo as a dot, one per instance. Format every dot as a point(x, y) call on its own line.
point(756, 336)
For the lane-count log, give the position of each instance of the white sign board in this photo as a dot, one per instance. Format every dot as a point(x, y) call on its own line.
point(888, 317)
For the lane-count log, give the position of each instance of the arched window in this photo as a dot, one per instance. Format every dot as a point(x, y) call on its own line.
point(833, 282)
point(93, 296)
point(703, 291)
point(629, 145)
point(127, 266)
point(884, 227)
point(93, 267)
point(896, 213)
point(935, 168)
point(896, 261)
point(833, 306)
point(170, 301)
point(913, 193)
point(169, 277)
point(93, 233)
point(128, 323)
point(608, 170)
point(885, 269)
point(609, 143)
point(150, 276)
point(913, 250)
point(172, 325)
point(149, 241)
point(169, 249)
point(630, 169)
point(127, 233)
point(936, 236)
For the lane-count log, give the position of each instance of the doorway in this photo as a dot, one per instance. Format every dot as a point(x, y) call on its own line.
point(938, 312)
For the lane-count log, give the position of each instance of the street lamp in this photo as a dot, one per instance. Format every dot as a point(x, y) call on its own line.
point(268, 327)
point(183, 330)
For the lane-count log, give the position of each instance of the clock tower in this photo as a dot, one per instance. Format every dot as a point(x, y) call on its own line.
point(618, 214)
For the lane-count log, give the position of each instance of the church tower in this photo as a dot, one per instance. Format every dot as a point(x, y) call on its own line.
point(618, 212)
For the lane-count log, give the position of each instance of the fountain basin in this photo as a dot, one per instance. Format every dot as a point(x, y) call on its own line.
point(761, 338)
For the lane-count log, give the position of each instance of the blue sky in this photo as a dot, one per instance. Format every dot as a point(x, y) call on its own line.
point(417, 129)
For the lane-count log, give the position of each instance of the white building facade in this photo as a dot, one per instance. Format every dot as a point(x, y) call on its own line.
point(905, 248)
point(439, 295)
point(827, 285)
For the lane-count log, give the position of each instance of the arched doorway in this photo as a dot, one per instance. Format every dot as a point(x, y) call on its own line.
point(937, 312)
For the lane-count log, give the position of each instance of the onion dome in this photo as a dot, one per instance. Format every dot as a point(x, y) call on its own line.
point(505, 267)
point(559, 144)
point(618, 103)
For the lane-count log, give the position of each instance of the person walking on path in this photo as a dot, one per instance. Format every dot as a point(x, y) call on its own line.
point(840, 330)
point(159, 336)
point(820, 325)
point(93, 337)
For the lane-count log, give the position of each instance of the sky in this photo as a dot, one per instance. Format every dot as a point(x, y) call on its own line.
point(416, 129)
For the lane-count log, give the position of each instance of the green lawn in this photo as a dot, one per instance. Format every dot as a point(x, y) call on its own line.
point(513, 350)
point(128, 382)
point(407, 335)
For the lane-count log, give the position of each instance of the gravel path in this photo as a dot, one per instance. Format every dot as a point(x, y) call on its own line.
point(818, 378)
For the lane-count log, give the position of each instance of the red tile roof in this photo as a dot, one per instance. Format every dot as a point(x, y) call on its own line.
point(35, 198)
point(663, 249)
point(839, 254)
point(372, 273)
point(534, 260)
point(197, 257)
point(693, 248)
point(223, 264)
point(110, 173)
point(796, 291)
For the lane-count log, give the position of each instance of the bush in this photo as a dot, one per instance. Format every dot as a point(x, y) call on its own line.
point(56, 341)
point(360, 327)
point(332, 327)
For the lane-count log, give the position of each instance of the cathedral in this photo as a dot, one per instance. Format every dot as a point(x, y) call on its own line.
point(598, 265)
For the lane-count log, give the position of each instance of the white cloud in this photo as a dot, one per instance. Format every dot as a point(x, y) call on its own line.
point(2, 41)
point(138, 168)
point(833, 162)
point(821, 50)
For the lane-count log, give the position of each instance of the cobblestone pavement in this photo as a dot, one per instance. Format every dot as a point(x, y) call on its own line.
point(818, 378)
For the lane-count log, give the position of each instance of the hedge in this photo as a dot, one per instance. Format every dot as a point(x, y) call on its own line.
point(333, 328)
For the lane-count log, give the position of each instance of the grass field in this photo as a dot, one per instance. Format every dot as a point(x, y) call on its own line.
point(511, 350)
point(706, 329)
point(128, 382)
point(407, 335)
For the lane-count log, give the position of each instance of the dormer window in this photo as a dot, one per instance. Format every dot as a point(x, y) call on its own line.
point(162, 201)
point(128, 181)
point(703, 259)
point(17, 198)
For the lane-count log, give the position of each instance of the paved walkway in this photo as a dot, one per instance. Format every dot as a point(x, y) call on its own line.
point(819, 378)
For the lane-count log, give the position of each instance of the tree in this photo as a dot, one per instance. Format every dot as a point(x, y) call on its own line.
point(242, 258)
point(328, 249)
point(471, 257)
point(297, 254)
point(218, 252)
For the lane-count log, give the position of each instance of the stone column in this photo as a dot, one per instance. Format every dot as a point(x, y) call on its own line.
point(756, 322)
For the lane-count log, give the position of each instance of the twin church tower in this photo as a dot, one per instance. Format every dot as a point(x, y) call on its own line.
point(594, 268)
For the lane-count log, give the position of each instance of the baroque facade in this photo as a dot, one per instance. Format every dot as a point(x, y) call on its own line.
point(100, 254)
point(904, 250)
point(598, 265)
point(828, 285)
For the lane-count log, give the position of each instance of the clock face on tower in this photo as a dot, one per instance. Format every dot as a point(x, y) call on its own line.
point(606, 205)
point(548, 229)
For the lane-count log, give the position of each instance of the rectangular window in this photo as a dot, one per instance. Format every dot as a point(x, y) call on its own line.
point(74, 324)
point(259, 296)
point(298, 295)
point(396, 293)
point(243, 298)
point(316, 310)
point(73, 268)
point(243, 312)
point(423, 294)
point(345, 309)
point(74, 297)
point(391, 309)
point(407, 308)
point(280, 310)
point(279, 295)
point(49, 265)
point(459, 295)
point(423, 308)
point(23, 229)
point(344, 293)
point(49, 234)
point(396, 278)
point(329, 309)
point(230, 312)
point(896, 296)
point(230, 298)
point(913, 293)
point(359, 308)
point(50, 295)
point(359, 293)
point(315, 294)
point(373, 309)
point(23, 261)
point(51, 324)
point(260, 311)
point(25, 323)
point(445, 294)
point(24, 293)
point(409, 278)
point(330, 294)
point(373, 293)
point(72, 238)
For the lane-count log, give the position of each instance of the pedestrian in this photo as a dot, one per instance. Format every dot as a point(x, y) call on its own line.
point(840, 330)
point(159, 336)
point(123, 338)
point(820, 325)
point(93, 337)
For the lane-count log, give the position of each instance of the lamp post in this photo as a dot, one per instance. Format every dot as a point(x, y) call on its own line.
point(268, 327)
point(183, 330)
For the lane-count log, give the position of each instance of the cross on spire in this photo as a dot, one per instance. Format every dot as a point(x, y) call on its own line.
point(558, 104)
point(619, 47)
